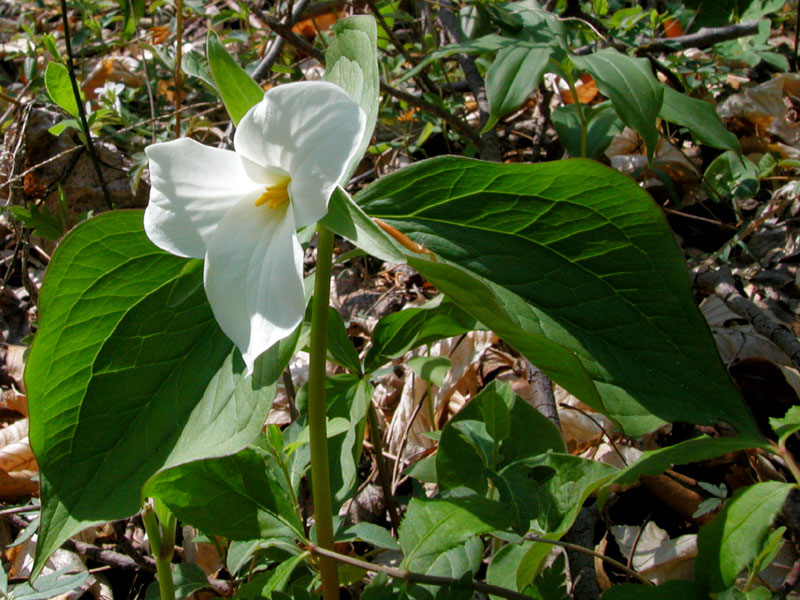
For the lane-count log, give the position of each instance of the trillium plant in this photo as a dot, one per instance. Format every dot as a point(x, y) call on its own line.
point(240, 210)
point(164, 334)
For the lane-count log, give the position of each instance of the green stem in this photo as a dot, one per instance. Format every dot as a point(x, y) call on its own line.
point(162, 544)
point(581, 114)
point(318, 438)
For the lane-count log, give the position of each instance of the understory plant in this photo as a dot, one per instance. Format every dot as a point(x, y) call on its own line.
point(163, 335)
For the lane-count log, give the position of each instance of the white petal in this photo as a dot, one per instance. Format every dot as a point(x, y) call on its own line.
point(192, 186)
point(253, 277)
point(308, 129)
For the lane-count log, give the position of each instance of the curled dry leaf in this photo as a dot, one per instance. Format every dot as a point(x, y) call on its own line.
point(204, 554)
point(655, 555)
point(460, 384)
point(17, 463)
point(763, 106)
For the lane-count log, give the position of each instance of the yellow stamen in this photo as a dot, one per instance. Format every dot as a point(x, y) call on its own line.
point(276, 194)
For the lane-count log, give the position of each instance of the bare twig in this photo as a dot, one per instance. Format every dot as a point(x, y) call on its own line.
point(383, 471)
point(486, 588)
point(569, 546)
point(178, 76)
point(543, 398)
point(275, 49)
point(489, 146)
point(301, 45)
point(707, 36)
point(81, 109)
point(721, 283)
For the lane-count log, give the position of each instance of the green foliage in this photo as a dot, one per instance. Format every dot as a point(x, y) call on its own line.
point(737, 533)
point(59, 87)
point(568, 247)
point(686, 590)
point(515, 73)
point(352, 63)
point(179, 391)
point(248, 486)
point(786, 426)
point(630, 85)
point(700, 118)
point(236, 88)
point(435, 533)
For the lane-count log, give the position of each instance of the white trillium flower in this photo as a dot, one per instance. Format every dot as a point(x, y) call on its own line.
point(240, 210)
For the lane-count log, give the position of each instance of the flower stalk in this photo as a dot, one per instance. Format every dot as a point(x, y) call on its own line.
point(161, 536)
point(318, 438)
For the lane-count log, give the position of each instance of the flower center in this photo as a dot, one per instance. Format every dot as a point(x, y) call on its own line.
point(276, 194)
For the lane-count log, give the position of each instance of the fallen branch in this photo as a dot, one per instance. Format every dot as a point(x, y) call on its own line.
point(721, 283)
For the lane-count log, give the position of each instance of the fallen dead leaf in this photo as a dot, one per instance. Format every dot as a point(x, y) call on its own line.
point(655, 555)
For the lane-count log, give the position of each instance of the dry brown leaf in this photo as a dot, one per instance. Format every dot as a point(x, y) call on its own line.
point(460, 384)
point(13, 400)
point(114, 68)
point(15, 364)
point(203, 554)
point(655, 554)
point(586, 88)
point(17, 485)
point(15, 432)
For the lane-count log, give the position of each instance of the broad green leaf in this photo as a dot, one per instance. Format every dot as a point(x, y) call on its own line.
point(240, 497)
point(195, 64)
point(513, 75)
point(602, 128)
point(433, 527)
point(548, 492)
point(347, 398)
point(238, 91)
point(59, 87)
point(122, 384)
point(737, 533)
point(632, 88)
point(264, 584)
point(550, 489)
point(49, 586)
point(340, 347)
point(347, 219)
point(685, 590)
point(497, 417)
point(700, 118)
point(458, 462)
point(732, 176)
point(399, 332)
point(458, 561)
point(372, 534)
point(786, 426)
point(351, 61)
point(654, 462)
point(430, 368)
point(585, 280)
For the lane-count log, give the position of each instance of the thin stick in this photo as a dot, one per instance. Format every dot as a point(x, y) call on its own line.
point(81, 109)
point(300, 44)
point(383, 471)
point(178, 76)
point(615, 563)
point(417, 577)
